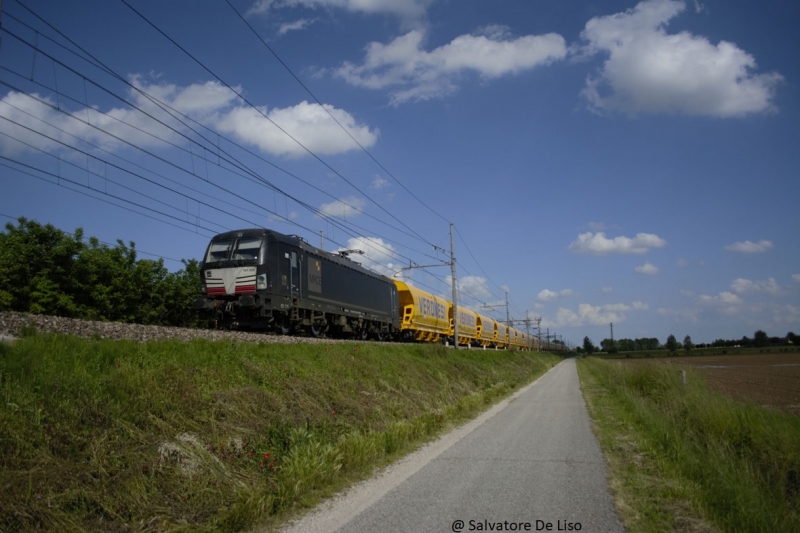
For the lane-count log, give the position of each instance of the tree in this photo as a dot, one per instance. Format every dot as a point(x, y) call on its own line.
point(760, 339)
point(671, 344)
point(36, 268)
point(44, 270)
point(687, 344)
point(588, 347)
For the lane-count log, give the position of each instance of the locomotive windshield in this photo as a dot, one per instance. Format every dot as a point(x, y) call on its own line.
point(242, 249)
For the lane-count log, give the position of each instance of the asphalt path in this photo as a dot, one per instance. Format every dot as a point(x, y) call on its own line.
point(531, 463)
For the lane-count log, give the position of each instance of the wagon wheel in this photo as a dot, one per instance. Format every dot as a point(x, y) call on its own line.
point(378, 335)
point(363, 334)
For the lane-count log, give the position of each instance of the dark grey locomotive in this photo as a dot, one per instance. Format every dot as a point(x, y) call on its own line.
point(261, 279)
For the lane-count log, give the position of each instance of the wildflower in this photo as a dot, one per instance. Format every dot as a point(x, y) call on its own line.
point(267, 455)
point(249, 454)
point(272, 465)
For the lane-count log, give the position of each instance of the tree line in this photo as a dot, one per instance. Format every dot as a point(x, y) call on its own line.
point(760, 339)
point(44, 270)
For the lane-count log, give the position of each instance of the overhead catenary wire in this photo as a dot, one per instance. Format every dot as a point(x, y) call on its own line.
point(305, 87)
point(172, 112)
point(259, 111)
point(210, 148)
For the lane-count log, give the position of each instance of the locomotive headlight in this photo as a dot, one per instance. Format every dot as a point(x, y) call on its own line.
point(261, 281)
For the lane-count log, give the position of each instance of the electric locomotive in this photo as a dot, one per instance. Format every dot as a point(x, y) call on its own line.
point(262, 279)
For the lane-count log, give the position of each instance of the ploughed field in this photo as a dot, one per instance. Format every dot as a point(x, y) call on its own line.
point(767, 379)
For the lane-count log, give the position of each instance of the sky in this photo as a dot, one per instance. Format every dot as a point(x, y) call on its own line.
point(601, 162)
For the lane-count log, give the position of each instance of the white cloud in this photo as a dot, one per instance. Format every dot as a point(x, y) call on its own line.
point(307, 122)
point(606, 289)
point(748, 247)
point(474, 286)
point(770, 286)
point(344, 208)
point(599, 244)
point(300, 24)
point(726, 302)
point(646, 268)
point(547, 295)
point(209, 103)
point(378, 255)
point(416, 74)
point(796, 277)
point(595, 315)
point(651, 71)
point(379, 183)
point(402, 8)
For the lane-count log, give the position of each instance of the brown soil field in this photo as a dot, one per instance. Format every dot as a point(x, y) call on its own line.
point(769, 380)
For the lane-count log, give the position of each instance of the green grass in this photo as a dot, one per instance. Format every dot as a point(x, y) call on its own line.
point(167, 436)
point(685, 458)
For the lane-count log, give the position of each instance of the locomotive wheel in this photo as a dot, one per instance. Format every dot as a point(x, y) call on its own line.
point(317, 330)
point(378, 335)
point(285, 326)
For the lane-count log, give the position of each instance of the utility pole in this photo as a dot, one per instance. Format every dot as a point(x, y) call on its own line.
point(508, 319)
point(538, 320)
point(453, 277)
point(452, 264)
point(321, 232)
point(612, 333)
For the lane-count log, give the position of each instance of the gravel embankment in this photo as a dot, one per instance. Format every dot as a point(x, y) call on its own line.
point(11, 323)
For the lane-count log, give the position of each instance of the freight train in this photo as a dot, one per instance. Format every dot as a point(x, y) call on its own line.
point(263, 280)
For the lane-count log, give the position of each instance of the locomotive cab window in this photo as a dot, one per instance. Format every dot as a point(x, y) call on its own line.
point(218, 251)
point(247, 248)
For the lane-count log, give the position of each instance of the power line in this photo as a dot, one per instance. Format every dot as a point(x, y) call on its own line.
point(309, 151)
point(172, 112)
point(303, 85)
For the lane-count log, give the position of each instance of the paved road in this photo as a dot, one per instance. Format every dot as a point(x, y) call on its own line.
point(532, 459)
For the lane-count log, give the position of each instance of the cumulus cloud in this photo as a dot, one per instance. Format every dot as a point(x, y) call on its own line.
point(300, 24)
point(378, 255)
point(595, 315)
point(344, 208)
point(606, 289)
point(648, 70)
point(748, 247)
point(725, 302)
point(308, 123)
point(209, 103)
point(770, 286)
point(547, 295)
point(414, 74)
point(796, 277)
point(647, 268)
point(599, 244)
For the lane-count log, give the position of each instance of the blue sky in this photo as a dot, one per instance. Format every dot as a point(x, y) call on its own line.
point(615, 161)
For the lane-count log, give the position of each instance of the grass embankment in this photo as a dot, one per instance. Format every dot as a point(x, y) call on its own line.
point(684, 458)
point(100, 435)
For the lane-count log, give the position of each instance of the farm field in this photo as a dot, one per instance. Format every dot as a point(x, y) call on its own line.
point(767, 379)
